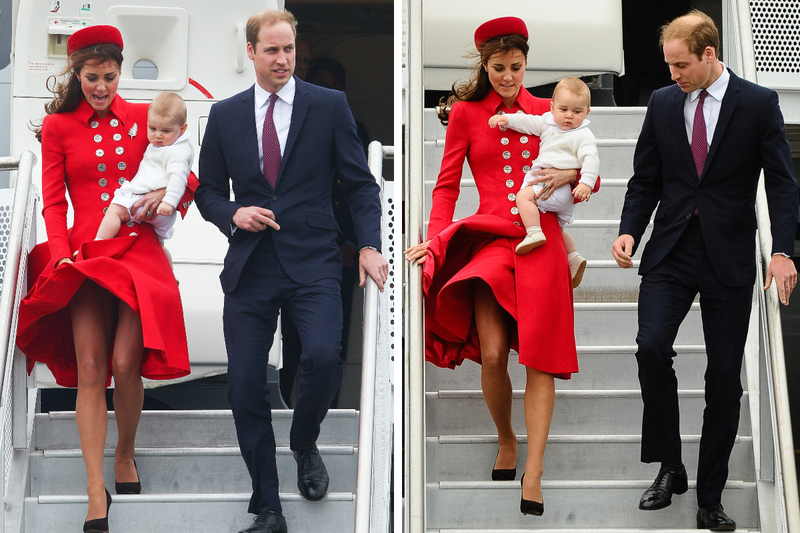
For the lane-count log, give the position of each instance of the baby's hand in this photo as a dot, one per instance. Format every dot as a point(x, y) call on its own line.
point(582, 192)
point(498, 120)
point(164, 209)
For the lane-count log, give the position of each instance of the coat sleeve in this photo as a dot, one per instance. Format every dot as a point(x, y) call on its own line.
point(448, 184)
point(779, 179)
point(213, 191)
point(646, 184)
point(54, 189)
point(360, 189)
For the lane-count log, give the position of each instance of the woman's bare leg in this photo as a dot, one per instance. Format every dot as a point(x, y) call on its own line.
point(92, 315)
point(540, 397)
point(492, 323)
point(128, 389)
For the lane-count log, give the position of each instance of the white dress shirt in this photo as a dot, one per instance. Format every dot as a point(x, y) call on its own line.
point(282, 114)
point(711, 106)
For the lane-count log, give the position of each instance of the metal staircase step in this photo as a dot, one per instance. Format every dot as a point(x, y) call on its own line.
point(616, 122)
point(575, 504)
point(582, 530)
point(202, 513)
point(185, 470)
point(616, 324)
point(213, 428)
point(570, 457)
point(576, 412)
point(601, 367)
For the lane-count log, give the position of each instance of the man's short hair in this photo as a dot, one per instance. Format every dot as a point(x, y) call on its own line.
point(268, 17)
point(169, 105)
point(576, 87)
point(696, 29)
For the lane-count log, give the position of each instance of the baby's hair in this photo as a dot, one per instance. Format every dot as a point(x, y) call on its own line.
point(576, 87)
point(169, 105)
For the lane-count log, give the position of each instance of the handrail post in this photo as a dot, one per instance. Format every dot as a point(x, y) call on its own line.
point(415, 371)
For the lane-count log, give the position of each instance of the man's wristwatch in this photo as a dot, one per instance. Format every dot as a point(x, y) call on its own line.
point(368, 248)
point(787, 256)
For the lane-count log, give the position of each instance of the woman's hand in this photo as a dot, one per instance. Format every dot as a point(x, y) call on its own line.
point(63, 260)
point(417, 254)
point(552, 179)
point(149, 205)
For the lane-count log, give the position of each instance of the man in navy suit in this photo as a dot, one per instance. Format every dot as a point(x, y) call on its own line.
point(703, 145)
point(280, 144)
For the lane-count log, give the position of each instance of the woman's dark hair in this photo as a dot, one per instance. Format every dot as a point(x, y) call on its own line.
point(478, 85)
point(67, 93)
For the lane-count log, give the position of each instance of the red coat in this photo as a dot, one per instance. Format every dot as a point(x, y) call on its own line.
point(88, 157)
point(535, 288)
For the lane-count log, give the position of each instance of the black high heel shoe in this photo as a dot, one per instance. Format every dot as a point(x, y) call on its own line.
point(98, 525)
point(503, 474)
point(129, 487)
point(529, 506)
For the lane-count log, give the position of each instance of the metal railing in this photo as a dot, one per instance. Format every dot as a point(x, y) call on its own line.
point(375, 418)
point(14, 420)
point(414, 332)
point(775, 461)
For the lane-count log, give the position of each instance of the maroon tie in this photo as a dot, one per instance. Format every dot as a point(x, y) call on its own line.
point(699, 135)
point(270, 145)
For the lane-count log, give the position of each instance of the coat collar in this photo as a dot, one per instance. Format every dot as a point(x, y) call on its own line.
point(84, 113)
point(493, 102)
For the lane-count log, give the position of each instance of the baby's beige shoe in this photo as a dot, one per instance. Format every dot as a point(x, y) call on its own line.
point(531, 242)
point(577, 265)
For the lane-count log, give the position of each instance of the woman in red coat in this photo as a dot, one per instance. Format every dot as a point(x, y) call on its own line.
point(100, 308)
point(481, 297)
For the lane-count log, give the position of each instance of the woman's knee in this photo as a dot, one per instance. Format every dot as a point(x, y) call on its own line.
point(494, 361)
point(126, 368)
point(92, 372)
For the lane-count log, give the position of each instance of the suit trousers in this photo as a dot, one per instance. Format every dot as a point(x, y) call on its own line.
point(250, 319)
point(665, 297)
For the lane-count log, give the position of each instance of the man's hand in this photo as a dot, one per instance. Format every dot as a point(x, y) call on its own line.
point(164, 209)
point(372, 263)
point(498, 120)
point(149, 205)
point(782, 269)
point(622, 249)
point(255, 219)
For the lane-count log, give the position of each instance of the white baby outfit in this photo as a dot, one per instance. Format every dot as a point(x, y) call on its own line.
point(161, 166)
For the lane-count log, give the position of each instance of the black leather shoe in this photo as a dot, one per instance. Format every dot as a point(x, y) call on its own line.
point(98, 525)
point(668, 482)
point(713, 517)
point(267, 522)
point(129, 487)
point(312, 476)
point(503, 474)
point(530, 506)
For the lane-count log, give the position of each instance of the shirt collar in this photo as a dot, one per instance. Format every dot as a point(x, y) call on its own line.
point(716, 89)
point(286, 93)
point(85, 113)
point(548, 118)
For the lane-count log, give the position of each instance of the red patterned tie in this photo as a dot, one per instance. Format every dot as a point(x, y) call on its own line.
point(699, 135)
point(270, 145)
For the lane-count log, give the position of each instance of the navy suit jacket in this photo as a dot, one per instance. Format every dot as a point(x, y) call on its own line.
point(750, 135)
point(322, 139)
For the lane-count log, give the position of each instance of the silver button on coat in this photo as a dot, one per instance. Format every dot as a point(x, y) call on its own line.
point(114, 123)
point(94, 124)
point(101, 167)
point(509, 183)
point(99, 152)
point(102, 182)
point(507, 169)
point(98, 138)
point(117, 137)
point(121, 165)
point(105, 196)
point(512, 196)
point(119, 150)
point(523, 139)
point(504, 141)
point(506, 155)
point(514, 210)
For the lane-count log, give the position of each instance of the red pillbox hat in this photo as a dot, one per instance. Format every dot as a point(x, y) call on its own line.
point(93, 35)
point(497, 27)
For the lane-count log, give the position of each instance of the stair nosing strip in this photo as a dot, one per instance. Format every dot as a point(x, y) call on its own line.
point(52, 499)
point(568, 393)
point(595, 439)
point(574, 484)
point(202, 414)
point(204, 451)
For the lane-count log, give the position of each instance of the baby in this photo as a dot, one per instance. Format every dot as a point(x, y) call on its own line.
point(565, 142)
point(166, 163)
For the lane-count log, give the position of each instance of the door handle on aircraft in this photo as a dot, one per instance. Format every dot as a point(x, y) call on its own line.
point(241, 43)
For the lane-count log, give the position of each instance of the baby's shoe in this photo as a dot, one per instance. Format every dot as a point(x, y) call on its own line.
point(577, 265)
point(531, 242)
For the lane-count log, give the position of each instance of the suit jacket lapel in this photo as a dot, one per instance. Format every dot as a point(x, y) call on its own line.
point(247, 122)
point(299, 109)
point(726, 111)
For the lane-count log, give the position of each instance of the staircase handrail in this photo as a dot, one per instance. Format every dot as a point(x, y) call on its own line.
point(14, 427)
point(368, 496)
point(773, 351)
